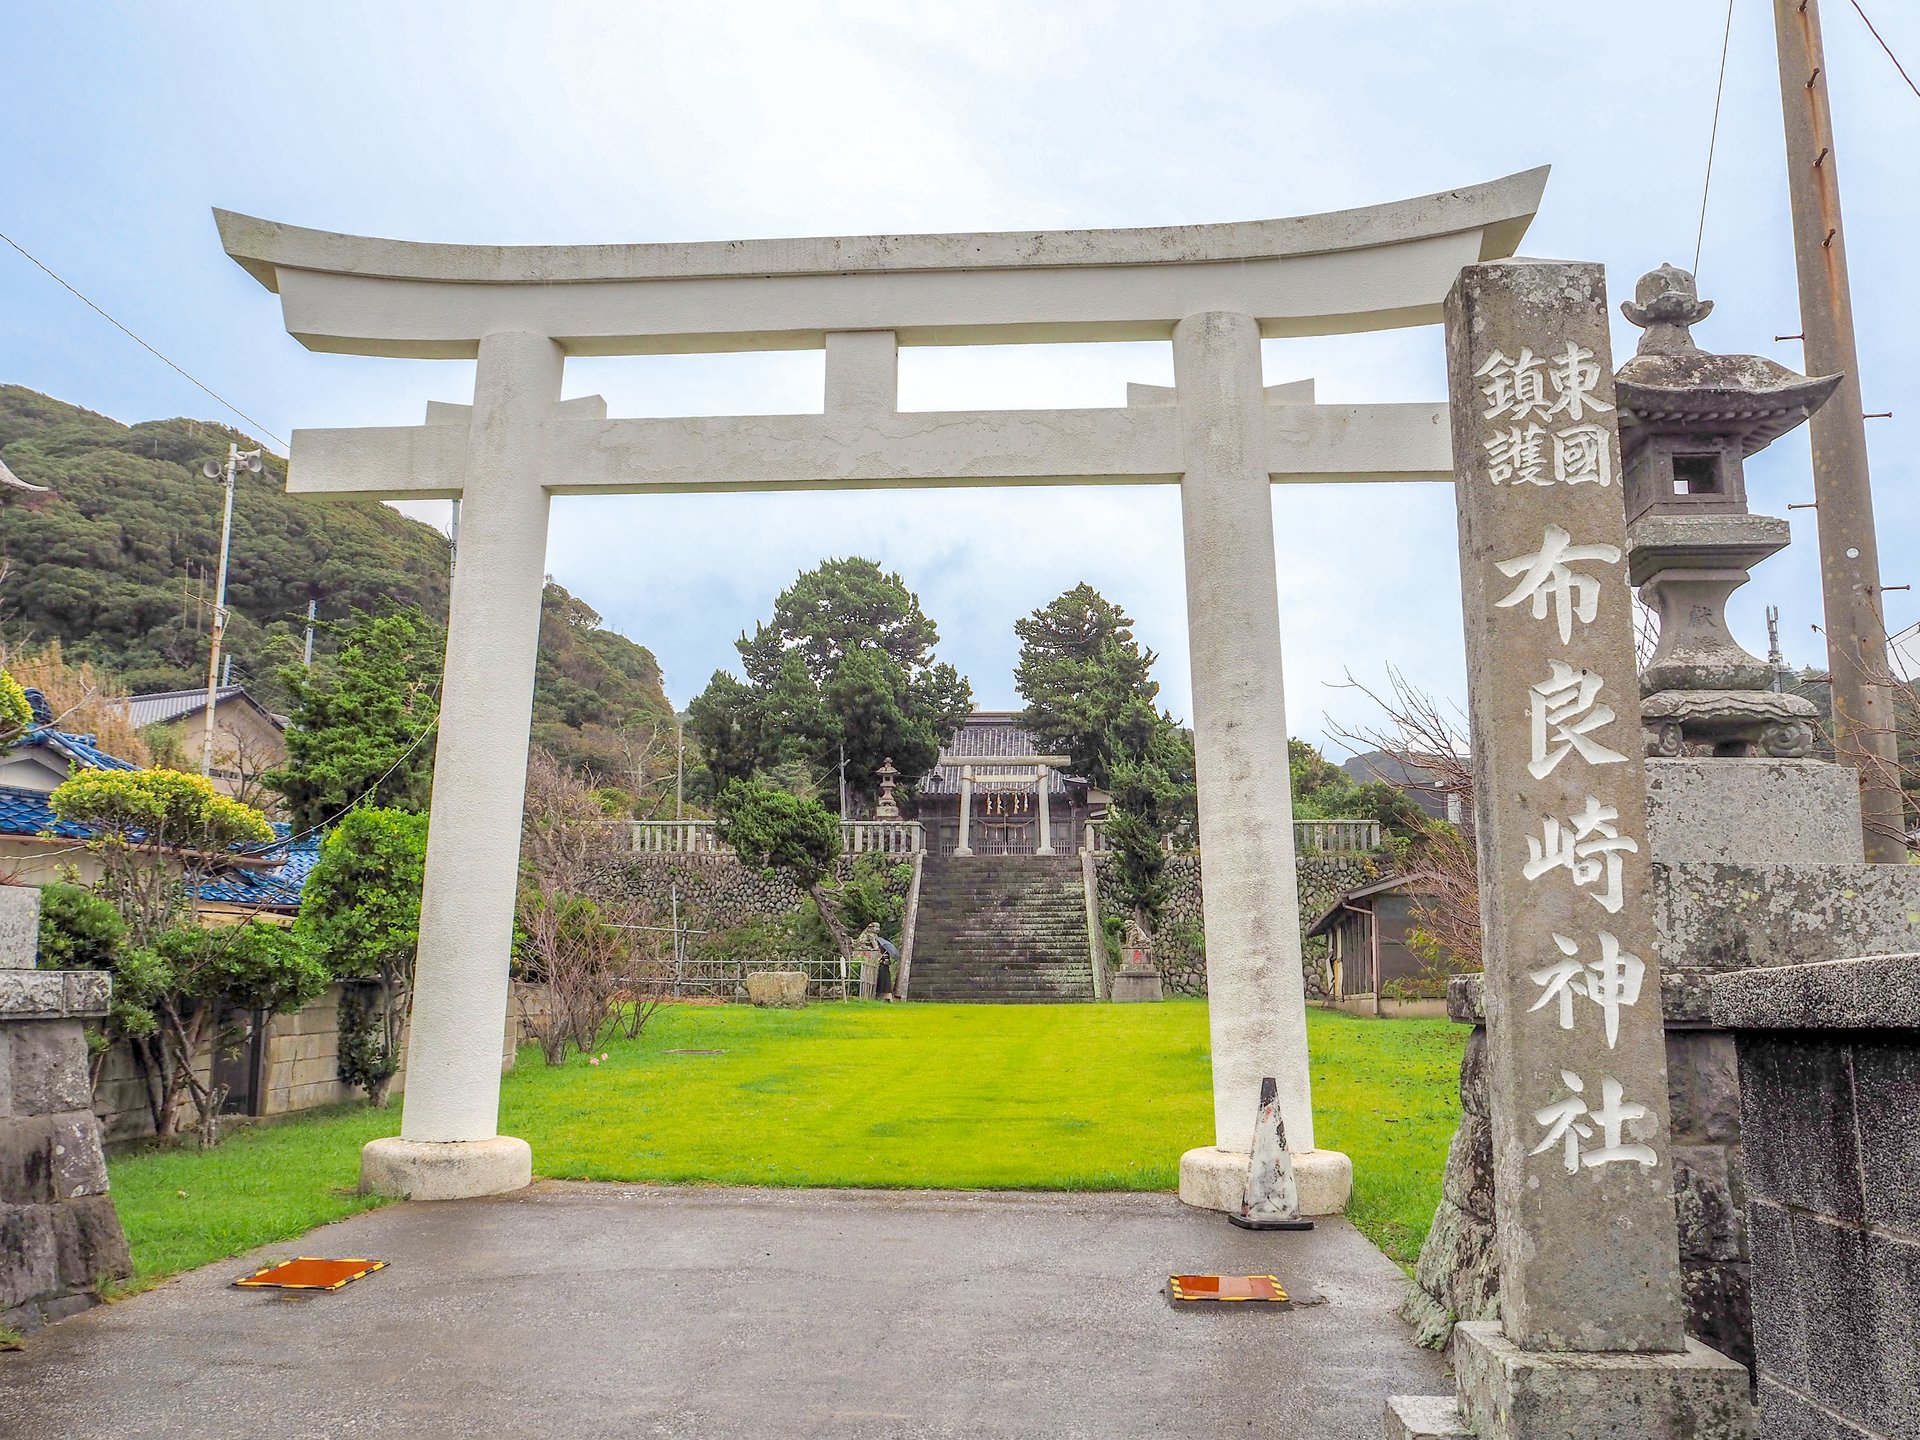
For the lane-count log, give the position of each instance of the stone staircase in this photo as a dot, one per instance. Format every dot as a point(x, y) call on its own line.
point(1008, 929)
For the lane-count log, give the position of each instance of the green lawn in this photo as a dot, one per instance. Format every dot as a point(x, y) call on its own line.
point(1056, 1097)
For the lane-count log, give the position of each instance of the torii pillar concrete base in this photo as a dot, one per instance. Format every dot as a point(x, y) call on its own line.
point(445, 1169)
point(1215, 1179)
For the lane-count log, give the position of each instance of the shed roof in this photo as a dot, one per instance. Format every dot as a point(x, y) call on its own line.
point(1365, 892)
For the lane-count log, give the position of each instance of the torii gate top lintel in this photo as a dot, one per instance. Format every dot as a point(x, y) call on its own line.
point(1374, 267)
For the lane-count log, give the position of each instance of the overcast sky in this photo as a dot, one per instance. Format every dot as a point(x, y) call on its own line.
point(569, 122)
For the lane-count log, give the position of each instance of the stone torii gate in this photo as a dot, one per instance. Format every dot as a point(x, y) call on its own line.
point(1218, 433)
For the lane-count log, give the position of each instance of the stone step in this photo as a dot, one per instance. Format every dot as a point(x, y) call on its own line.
point(1002, 928)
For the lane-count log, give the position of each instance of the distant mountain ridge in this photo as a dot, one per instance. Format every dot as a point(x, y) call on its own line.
point(117, 563)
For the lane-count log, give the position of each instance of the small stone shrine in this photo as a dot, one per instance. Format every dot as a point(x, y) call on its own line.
point(60, 1239)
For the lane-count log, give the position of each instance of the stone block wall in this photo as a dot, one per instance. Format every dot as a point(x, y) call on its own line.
point(1458, 1274)
point(1829, 1063)
point(60, 1239)
point(716, 892)
point(1183, 971)
point(301, 1070)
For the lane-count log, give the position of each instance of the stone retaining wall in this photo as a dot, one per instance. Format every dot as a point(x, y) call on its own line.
point(60, 1239)
point(715, 891)
point(1182, 964)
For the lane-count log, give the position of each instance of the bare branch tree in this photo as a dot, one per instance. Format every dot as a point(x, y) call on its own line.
point(598, 959)
point(1429, 737)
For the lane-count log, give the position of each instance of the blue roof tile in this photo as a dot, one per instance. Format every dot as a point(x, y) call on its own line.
point(26, 812)
point(82, 750)
point(277, 889)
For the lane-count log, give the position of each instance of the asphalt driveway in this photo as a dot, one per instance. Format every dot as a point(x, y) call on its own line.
point(618, 1310)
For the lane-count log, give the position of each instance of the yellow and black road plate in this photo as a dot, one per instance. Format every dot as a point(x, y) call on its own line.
point(1198, 1288)
point(307, 1273)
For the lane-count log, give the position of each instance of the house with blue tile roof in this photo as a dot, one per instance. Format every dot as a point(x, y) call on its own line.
point(37, 846)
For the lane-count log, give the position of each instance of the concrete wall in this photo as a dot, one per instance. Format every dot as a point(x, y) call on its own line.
point(1829, 1060)
point(1182, 966)
point(301, 1068)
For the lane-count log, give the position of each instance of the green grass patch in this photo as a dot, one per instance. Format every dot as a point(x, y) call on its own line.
point(183, 1207)
point(1044, 1097)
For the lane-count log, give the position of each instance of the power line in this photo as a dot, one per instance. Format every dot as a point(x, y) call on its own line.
point(1884, 46)
point(1713, 140)
point(293, 839)
point(72, 290)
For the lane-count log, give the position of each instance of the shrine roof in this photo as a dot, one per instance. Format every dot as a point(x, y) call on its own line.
point(988, 735)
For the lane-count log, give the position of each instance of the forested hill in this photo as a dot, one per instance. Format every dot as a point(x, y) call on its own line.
point(118, 565)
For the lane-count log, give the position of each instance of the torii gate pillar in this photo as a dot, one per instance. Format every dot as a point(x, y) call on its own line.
point(479, 786)
point(1256, 1000)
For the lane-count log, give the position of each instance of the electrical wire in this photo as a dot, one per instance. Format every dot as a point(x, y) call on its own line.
point(72, 290)
point(1884, 46)
point(1713, 140)
point(372, 786)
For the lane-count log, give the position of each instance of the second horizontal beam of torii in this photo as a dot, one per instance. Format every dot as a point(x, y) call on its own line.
point(849, 448)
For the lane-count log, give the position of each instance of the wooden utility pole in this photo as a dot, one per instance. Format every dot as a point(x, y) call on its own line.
point(1843, 496)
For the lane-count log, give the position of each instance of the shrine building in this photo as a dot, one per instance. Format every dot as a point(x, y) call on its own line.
point(996, 792)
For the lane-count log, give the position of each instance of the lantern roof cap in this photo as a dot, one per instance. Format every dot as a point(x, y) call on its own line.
point(1671, 385)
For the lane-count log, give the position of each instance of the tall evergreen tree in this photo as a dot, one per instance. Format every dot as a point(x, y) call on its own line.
point(845, 661)
point(1088, 684)
point(1090, 693)
point(359, 721)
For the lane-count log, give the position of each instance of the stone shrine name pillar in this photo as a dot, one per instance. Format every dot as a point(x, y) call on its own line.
point(1592, 1337)
point(1256, 998)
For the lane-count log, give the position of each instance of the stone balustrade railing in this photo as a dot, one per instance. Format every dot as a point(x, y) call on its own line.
point(701, 837)
point(1336, 837)
point(909, 837)
point(1310, 837)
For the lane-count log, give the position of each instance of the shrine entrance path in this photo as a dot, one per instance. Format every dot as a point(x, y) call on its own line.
point(616, 1310)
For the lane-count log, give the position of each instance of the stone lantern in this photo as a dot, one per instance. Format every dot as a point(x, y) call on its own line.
point(1688, 420)
point(887, 808)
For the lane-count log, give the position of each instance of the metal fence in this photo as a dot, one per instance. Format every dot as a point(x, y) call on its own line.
point(696, 972)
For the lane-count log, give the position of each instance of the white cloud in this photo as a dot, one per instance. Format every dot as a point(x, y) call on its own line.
point(499, 121)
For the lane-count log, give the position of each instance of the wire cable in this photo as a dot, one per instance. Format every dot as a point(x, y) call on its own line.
point(66, 285)
point(1713, 140)
point(1884, 46)
point(372, 786)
